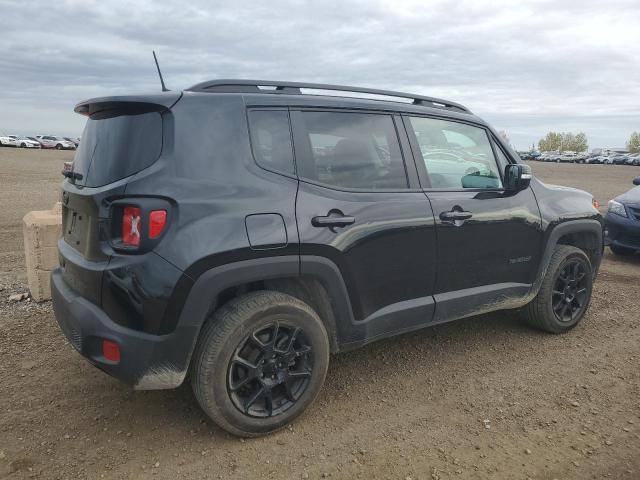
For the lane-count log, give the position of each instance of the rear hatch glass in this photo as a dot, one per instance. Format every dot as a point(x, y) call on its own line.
point(116, 147)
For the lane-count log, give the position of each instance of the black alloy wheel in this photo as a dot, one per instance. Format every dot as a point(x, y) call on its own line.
point(570, 291)
point(270, 370)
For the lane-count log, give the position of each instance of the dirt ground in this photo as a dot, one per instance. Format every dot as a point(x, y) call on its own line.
point(485, 397)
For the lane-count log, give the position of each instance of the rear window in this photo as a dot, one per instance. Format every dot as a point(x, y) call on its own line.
point(271, 139)
point(116, 147)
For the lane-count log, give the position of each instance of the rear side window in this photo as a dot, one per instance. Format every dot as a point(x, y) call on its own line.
point(456, 155)
point(116, 147)
point(271, 139)
point(350, 150)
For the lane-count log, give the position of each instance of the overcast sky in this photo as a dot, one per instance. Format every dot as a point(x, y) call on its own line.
point(526, 67)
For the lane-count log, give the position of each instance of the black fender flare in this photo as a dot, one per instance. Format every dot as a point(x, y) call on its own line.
point(585, 225)
point(214, 281)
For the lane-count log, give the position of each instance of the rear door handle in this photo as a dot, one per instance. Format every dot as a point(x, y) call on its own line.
point(333, 221)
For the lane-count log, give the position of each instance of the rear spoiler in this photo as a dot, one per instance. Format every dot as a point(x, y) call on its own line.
point(103, 107)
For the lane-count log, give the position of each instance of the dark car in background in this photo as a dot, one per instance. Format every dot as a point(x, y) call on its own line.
point(622, 222)
point(633, 159)
point(619, 159)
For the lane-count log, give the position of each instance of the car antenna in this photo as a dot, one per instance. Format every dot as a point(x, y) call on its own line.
point(164, 88)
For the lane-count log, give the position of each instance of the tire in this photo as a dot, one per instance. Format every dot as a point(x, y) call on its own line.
point(236, 331)
point(58, 147)
point(22, 145)
point(540, 312)
point(621, 251)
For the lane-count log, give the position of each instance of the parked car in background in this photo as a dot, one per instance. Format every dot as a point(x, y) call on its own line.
point(58, 143)
point(567, 157)
point(8, 141)
point(40, 142)
point(75, 141)
point(622, 222)
point(26, 142)
point(598, 159)
point(633, 159)
point(618, 159)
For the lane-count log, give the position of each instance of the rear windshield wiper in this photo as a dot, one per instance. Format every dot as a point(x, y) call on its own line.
point(67, 171)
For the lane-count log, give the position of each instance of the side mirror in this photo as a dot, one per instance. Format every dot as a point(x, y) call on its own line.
point(636, 181)
point(517, 176)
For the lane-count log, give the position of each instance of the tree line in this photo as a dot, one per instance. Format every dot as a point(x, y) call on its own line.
point(563, 142)
point(568, 141)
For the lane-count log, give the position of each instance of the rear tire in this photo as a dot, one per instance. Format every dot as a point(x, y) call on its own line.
point(259, 362)
point(565, 293)
point(621, 251)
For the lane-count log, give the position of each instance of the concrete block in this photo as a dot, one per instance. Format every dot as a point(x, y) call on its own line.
point(40, 284)
point(41, 230)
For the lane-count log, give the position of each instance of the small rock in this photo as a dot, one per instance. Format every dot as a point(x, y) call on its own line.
point(487, 424)
point(18, 297)
point(625, 429)
point(156, 465)
point(527, 451)
point(608, 442)
point(305, 475)
point(575, 404)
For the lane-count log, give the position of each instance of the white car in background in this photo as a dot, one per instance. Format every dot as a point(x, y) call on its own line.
point(26, 142)
point(8, 141)
point(59, 143)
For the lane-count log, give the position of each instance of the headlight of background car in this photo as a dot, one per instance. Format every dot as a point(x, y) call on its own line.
point(617, 208)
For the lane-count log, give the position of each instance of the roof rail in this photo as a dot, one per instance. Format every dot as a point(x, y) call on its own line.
point(253, 86)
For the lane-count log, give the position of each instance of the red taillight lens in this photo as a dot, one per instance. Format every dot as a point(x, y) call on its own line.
point(111, 351)
point(131, 226)
point(157, 221)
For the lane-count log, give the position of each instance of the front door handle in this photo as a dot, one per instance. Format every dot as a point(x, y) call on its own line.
point(333, 220)
point(457, 216)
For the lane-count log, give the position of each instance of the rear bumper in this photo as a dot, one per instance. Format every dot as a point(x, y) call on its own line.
point(622, 232)
point(147, 362)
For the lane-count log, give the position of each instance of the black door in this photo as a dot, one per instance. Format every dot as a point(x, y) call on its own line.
point(357, 206)
point(489, 242)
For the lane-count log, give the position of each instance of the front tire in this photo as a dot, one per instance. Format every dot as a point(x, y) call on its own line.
point(565, 293)
point(58, 147)
point(260, 362)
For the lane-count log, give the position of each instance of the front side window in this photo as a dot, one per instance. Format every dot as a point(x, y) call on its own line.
point(351, 150)
point(271, 139)
point(456, 155)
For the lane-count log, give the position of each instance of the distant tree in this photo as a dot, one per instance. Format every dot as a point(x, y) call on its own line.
point(550, 142)
point(634, 142)
point(563, 142)
point(580, 143)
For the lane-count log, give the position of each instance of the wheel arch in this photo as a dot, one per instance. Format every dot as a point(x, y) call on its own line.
point(585, 234)
point(320, 285)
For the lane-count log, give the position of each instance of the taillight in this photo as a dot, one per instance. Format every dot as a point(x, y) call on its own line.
point(111, 351)
point(131, 226)
point(157, 221)
point(138, 223)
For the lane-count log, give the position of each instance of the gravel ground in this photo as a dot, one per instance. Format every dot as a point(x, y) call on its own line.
point(479, 398)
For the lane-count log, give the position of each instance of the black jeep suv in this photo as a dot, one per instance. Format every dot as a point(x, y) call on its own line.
point(238, 232)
